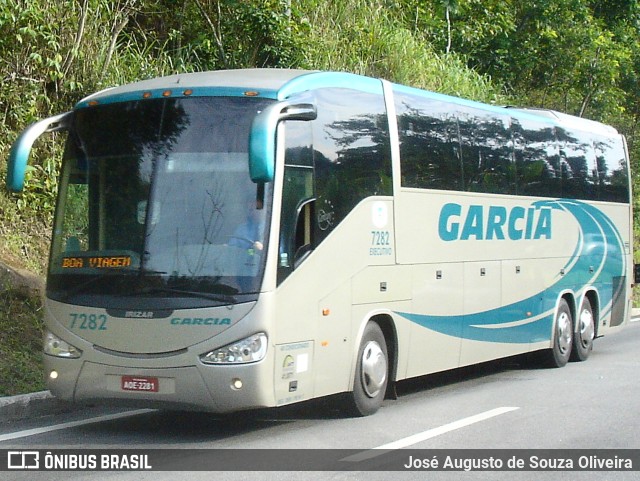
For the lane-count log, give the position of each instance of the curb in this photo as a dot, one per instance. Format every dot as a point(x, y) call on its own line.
point(23, 406)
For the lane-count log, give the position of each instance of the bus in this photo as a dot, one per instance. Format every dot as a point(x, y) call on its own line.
point(240, 239)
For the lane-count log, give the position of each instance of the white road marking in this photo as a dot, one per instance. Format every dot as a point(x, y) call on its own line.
point(71, 424)
point(431, 433)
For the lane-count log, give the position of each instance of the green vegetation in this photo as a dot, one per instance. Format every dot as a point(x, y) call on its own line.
point(578, 56)
point(20, 343)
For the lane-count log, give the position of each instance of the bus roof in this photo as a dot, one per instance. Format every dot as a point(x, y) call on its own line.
point(270, 83)
point(280, 84)
point(266, 82)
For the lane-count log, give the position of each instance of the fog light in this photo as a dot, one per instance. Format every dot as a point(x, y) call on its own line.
point(53, 375)
point(236, 384)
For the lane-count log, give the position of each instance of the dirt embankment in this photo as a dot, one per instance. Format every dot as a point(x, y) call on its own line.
point(20, 280)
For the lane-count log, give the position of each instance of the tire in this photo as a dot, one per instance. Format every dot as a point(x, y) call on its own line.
point(584, 332)
point(559, 354)
point(371, 374)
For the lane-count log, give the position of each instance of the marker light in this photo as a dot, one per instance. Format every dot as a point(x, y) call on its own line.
point(53, 375)
point(54, 346)
point(236, 384)
point(250, 349)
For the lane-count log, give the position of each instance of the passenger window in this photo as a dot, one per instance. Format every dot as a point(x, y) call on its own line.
point(429, 143)
point(487, 151)
point(351, 153)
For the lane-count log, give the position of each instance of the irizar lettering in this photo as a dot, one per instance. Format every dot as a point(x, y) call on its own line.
point(478, 222)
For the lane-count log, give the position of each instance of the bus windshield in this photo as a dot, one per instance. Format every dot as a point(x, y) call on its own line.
point(156, 206)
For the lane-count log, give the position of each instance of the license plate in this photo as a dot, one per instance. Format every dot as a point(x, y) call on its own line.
point(139, 383)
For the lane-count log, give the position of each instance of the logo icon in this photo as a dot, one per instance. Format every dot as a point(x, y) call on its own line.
point(23, 460)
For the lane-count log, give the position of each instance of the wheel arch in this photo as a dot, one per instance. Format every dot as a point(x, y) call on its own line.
point(386, 323)
point(593, 295)
point(384, 319)
point(570, 297)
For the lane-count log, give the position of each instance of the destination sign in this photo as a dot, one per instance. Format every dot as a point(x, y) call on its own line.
point(96, 262)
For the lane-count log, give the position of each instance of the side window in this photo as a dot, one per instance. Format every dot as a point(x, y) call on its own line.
point(554, 162)
point(487, 151)
point(297, 197)
point(611, 178)
point(577, 160)
point(331, 164)
point(429, 145)
point(352, 154)
point(537, 159)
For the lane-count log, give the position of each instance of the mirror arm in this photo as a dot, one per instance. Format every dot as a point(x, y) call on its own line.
point(262, 139)
point(19, 156)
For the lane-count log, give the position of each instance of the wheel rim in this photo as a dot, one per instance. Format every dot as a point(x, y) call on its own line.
point(374, 369)
point(586, 328)
point(564, 332)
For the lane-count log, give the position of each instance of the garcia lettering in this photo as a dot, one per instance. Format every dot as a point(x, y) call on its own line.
point(494, 222)
point(200, 321)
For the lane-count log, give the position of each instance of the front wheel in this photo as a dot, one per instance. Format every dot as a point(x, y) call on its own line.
point(371, 375)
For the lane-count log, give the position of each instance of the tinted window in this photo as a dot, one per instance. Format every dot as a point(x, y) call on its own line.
point(577, 160)
point(537, 158)
point(454, 146)
point(298, 190)
point(351, 153)
point(611, 179)
point(487, 152)
point(429, 143)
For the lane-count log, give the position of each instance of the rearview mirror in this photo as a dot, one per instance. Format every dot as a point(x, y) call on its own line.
point(262, 138)
point(19, 156)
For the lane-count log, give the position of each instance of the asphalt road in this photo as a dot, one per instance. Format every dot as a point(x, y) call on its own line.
point(509, 404)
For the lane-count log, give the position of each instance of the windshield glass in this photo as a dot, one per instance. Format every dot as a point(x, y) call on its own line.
point(156, 204)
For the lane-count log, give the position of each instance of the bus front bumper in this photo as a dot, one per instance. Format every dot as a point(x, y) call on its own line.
point(193, 388)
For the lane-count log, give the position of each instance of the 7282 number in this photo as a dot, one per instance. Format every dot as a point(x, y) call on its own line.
point(380, 237)
point(92, 322)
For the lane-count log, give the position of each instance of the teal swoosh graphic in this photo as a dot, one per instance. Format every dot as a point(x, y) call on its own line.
point(597, 258)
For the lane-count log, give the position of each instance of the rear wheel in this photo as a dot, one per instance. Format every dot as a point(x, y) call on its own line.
point(584, 333)
point(371, 375)
point(559, 354)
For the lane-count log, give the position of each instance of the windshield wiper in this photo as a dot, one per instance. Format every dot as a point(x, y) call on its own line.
point(79, 288)
point(226, 298)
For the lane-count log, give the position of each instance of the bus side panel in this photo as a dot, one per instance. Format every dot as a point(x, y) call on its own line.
point(436, 290)
point(517, 256)
point(314, 303)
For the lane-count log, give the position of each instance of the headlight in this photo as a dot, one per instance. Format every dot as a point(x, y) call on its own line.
point(54, 346)
point(251, 349)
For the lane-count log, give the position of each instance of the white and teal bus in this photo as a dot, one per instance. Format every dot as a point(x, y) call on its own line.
point(254, 238)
